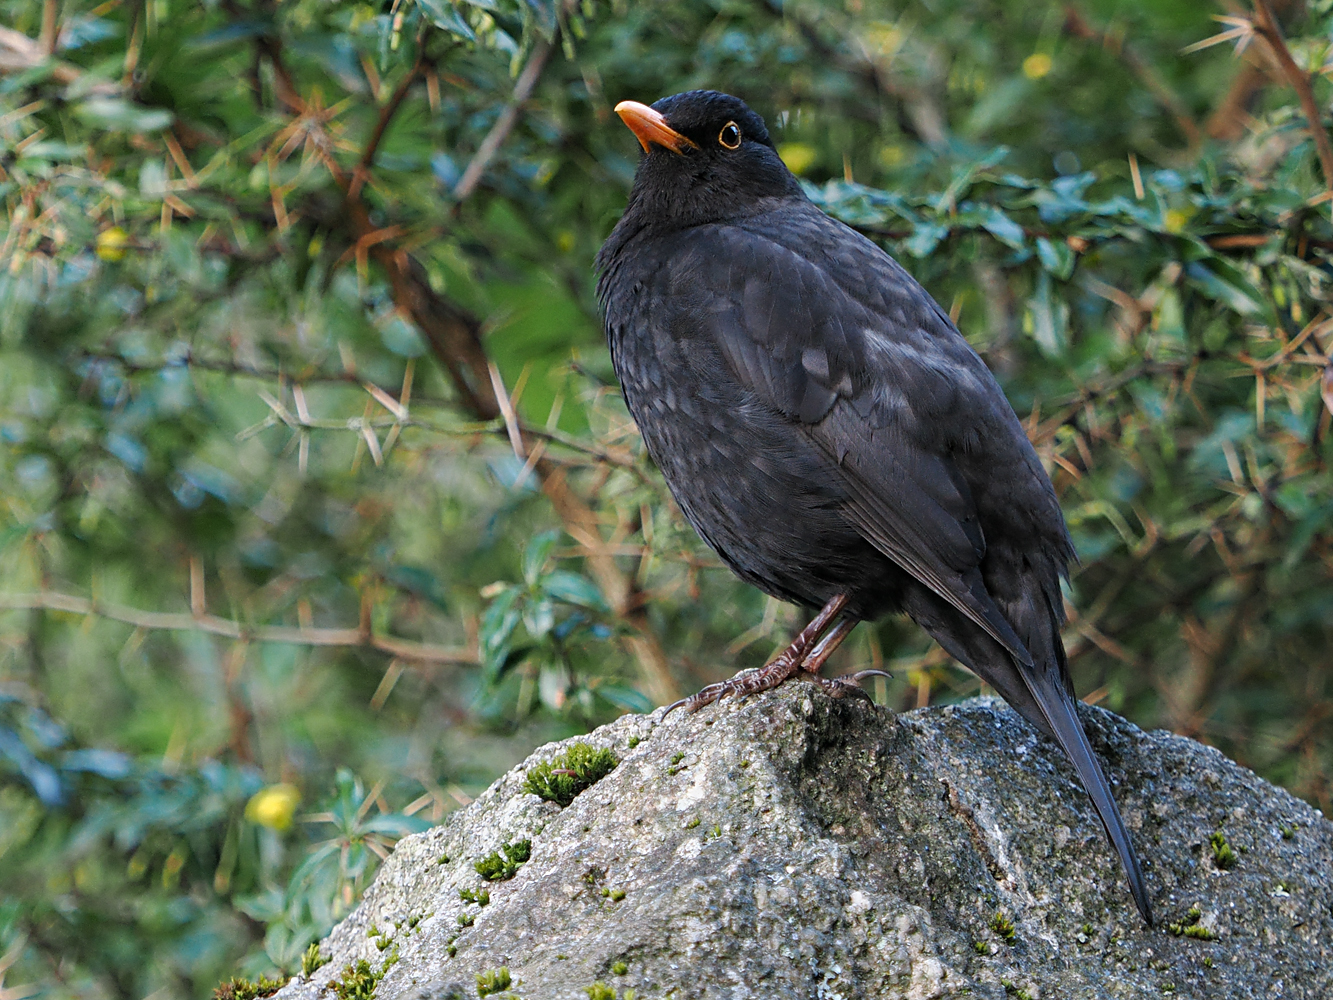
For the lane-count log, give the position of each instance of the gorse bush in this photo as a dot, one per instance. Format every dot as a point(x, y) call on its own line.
point(320, 506)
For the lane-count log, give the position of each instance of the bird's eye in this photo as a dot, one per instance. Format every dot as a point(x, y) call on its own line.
point(730, 136)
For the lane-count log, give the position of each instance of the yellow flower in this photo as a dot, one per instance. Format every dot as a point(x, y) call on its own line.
point(891, 156)
point(273, 806)
point(1036, 65)
point(1175, 220)
point(798, 156)
point(111, 244)
point(882, 38)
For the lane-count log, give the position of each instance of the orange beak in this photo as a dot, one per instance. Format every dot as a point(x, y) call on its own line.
point(650, 126)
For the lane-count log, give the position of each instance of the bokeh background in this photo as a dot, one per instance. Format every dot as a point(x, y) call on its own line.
point(319, 507)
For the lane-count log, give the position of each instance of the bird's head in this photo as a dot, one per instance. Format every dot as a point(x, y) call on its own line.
point(706, 157)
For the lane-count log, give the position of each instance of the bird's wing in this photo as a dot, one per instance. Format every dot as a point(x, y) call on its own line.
point(866, 366)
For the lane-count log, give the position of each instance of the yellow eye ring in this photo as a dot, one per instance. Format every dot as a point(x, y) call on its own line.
point(730, 136)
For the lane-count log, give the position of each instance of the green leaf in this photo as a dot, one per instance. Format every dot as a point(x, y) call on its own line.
point(40, 775)
point(1047, 319)
point(627, 698)
point(446, 16)
point(153, 179)
point(1310, 525)
point(1055, 257)
point(965, 175)
point(117, 115)
point(925, 238)
point(574, 589)
point(1063, 199)
point(418, 581)
point(392, 824)
point(1003, 228)
point(498, 624)
point(539, 617)
point(1221, 281)
point(536, 554)
point(542, 15)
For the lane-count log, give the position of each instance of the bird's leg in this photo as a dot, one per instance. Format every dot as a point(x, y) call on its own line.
point(826, 646)
point(838, 687)
point(783, 667)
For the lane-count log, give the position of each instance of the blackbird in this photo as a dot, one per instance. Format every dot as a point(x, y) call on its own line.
point(826, 428)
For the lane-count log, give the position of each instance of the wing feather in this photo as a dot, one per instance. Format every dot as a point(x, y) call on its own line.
point(835, 366)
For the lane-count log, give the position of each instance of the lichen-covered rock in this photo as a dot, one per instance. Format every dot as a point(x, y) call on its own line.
point(798, 846)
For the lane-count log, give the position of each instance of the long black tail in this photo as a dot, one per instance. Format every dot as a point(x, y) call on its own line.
point(1041, 693)
point(1061, 714)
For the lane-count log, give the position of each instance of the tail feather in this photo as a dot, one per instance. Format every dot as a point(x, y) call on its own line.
point(1038, 615)
point(1062, 716)
point(1041, 693)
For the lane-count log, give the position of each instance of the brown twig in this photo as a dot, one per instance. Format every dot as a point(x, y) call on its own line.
point(1191, 700)
point(1228, 120)
point(1077, 25)
point(240, 715)
point(1266, 26)
point(454, 337)
point(270, 47)
point(240, 369)
point(49, 38)
point(19, 53)
point(505, 123)
point(167, 621)
point(390, 109)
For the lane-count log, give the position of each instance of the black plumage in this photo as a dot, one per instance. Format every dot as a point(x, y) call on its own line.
point(826, 428)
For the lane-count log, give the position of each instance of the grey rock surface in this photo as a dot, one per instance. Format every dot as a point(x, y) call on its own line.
point(800, 846)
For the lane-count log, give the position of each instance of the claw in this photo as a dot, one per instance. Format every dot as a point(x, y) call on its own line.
point(850, 684)
point(741, 686)
point(713, 692)
point(870, 673)
point(806, 652)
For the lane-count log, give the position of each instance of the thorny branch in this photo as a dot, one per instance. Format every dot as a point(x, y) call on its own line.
point(490, 145)
point(1077, 25)
point(1266, 26)
point(360, 637)
point(400, 418)
point(242, 369)
point(454, 337)
point(918, 107)
point(386, 115)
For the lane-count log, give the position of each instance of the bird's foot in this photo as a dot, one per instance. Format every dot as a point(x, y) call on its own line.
point(806, 652)
point(841, 687)
point(744, 684)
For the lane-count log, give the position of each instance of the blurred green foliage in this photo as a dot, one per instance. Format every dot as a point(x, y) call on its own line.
point(270, 538)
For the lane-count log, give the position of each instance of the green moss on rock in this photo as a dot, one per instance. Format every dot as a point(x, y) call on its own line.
point(564, 777)
point(313, 960)
point(1191, 928)
point(357, 982)
point(1223, 855)
point(504, 863)
point(492, 981)
point(245, 989)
